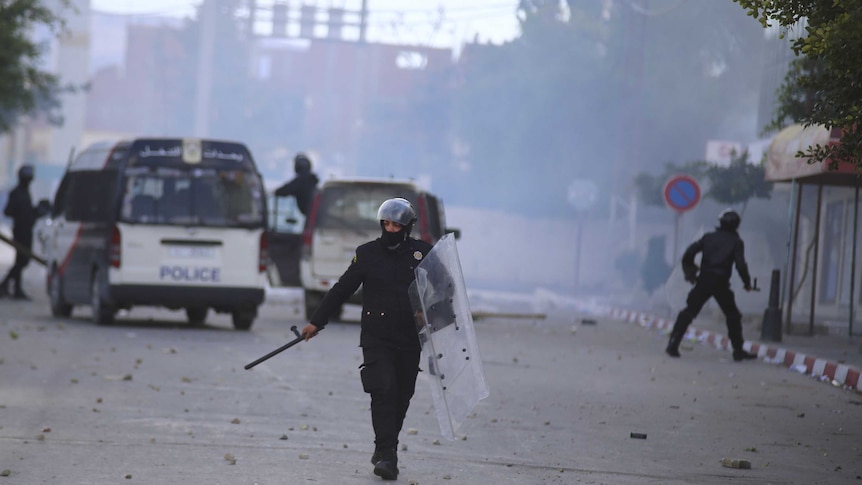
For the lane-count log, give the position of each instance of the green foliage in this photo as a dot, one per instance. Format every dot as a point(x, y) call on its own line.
point(595, 90)
point(832, 67)
point(25, 88)
point(735, 184)
point(650, 188)
point(795, 97)
point(738, 182)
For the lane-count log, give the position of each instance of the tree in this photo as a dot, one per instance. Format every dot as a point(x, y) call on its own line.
point(826, 83)
point(26, 88)
point(737, 183)
point(597, 90)
point(734, 184)
point(650, 188)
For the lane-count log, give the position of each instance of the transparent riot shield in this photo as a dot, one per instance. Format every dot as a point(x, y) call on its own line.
point(449, 348)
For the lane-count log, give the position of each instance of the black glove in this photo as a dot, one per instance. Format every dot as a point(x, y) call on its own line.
point(690, 273)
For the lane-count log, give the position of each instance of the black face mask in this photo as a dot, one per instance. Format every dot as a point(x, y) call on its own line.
point(391, 239)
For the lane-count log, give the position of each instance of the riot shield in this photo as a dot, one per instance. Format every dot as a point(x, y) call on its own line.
point(449, 348)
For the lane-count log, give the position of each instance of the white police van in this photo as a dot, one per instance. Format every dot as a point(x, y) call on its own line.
point(169, 222)
point(343, 216)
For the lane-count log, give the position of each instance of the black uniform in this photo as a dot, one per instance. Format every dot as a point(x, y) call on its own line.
point(722, 249)
point(302, 187)
point(388, 337)
point(20, 208)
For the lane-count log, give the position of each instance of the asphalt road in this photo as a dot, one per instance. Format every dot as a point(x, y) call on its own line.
point(153, 400)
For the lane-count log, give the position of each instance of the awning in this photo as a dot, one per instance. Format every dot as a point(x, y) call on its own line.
point(782, 164)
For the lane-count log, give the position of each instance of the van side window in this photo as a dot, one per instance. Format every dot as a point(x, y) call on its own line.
point(93, 159)
point(90, 195)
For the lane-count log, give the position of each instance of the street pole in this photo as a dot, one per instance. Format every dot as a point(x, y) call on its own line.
point(580, 227)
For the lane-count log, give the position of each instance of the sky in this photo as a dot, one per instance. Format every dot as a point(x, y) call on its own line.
point(439, 23)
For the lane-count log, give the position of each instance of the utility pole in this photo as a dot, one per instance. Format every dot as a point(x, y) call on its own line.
point(627, 159)
point(252, 12)
point(363, 21)
point(206, 40)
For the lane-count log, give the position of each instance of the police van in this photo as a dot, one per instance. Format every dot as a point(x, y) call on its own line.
point(168, 222)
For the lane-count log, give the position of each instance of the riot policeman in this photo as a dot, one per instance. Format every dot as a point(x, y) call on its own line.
point(388, 337)
point(20, 208)
point(722, 249)
point(302, 186)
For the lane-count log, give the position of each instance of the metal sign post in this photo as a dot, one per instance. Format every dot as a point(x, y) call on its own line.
point(681, 194)
point(582, 194)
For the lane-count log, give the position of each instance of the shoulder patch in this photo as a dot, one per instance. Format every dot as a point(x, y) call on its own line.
point(354, 257)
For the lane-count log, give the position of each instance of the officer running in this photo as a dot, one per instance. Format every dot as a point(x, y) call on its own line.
point(388, 337)
point(722, 249)
point(20, 208)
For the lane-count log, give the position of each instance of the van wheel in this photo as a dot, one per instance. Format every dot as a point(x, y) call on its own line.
point(103, 312)
point(197, 316)
point(59, 307)
point(312, 301)
point(242, 319)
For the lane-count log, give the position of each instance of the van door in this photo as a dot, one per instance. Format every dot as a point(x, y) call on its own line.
point(285, 232)
point(79, 229)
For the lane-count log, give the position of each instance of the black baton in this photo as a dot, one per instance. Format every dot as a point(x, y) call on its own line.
point(299, 338)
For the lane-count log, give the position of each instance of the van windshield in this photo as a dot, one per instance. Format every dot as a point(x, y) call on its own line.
point(207, 197)
point(355, 206)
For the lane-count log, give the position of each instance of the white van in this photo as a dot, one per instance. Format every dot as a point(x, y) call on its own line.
point(343, 216)
point(170, 222)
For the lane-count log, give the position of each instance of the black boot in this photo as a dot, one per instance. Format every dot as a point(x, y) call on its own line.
point(377, 456)
point(673, 344)
point(387, 466)
point(739, 355)
point(19, 294)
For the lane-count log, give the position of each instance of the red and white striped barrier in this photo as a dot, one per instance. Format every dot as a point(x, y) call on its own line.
point(825, 370)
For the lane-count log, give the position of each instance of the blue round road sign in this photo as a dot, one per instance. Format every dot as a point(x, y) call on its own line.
point(681, 193)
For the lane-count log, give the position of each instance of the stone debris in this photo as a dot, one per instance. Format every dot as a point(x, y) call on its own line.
point(230, 459)
point(736, 463)
point(125, 377)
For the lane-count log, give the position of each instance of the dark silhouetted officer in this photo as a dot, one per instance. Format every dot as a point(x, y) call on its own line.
point(722, 249)
point(20, 208)
point(302, 186)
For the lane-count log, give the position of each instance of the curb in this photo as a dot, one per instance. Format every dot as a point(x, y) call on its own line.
point(824, 370)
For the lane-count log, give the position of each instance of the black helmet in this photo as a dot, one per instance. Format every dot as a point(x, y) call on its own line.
point(25, 173)
point(729, 220)
point(301, 163)
point(398, 210)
